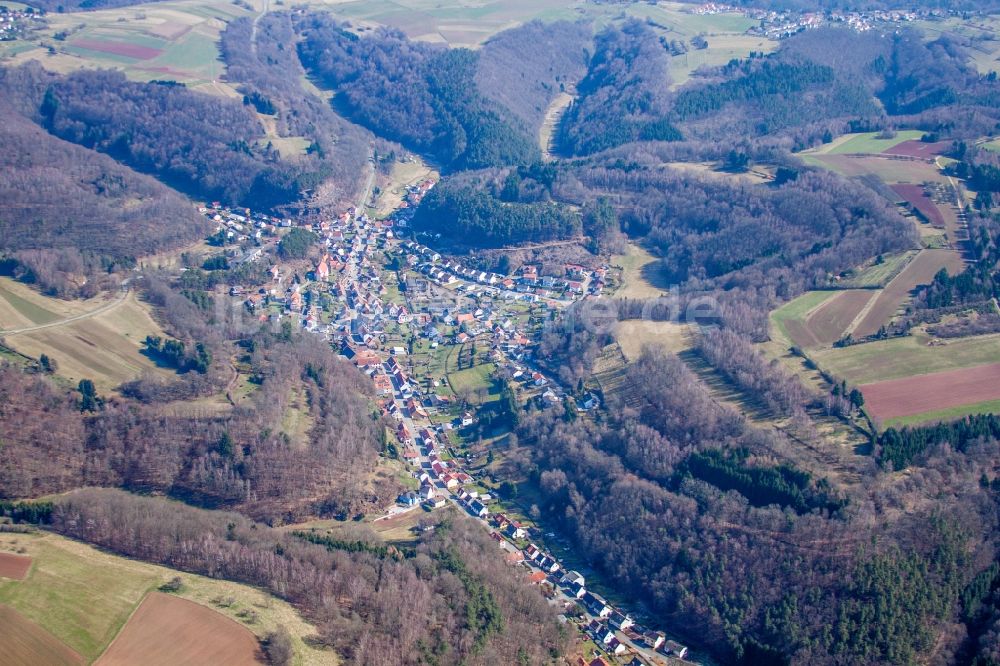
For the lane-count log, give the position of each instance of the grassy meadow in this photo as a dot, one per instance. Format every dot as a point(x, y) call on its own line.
point(83, 596)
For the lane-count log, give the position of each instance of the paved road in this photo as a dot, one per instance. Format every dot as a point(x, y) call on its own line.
point(69, 320)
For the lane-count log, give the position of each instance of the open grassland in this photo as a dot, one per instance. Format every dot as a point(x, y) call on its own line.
point(936, 392)
point(918, 272)
point(176, 40)
point(878, 274)
point(167, 630)
point(393, 187)
point(104, 347)
point(24, 642)
point(757, 173)
point(902, 357)
point(863, 142)
point(634, 335)
point(22, 306)
point(84, 596)
point(639, 273)
point(553, 114)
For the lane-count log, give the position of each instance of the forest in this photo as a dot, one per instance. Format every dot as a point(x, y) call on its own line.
point(336, 159)
point(69, 212)
point(422, 96)
point(623, 96)
point(469, 216)
point(765, 563)
point(240, 459)
point(462, 604)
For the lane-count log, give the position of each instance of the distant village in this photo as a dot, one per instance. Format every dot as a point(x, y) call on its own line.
point(780, 24)
point(18, 23)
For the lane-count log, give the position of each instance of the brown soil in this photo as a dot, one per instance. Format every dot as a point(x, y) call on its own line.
point(936, 391)
point(167, 630)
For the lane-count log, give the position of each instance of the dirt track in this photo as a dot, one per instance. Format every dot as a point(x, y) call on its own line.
point(919, 271)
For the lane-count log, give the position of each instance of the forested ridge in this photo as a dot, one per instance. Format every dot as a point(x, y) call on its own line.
point(69, 212)
point(763, 562)
point(623, 96)
point(420, 95)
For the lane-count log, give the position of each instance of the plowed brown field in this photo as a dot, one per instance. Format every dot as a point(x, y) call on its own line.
point(932, 392)
point(919, 271)
point(24, 643)
point(830, 321)
point(168, 630)
point(14, 566)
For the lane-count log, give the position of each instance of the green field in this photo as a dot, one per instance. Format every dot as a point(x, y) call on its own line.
point(84, 603)
point(950, 414)
point(474, 381)
point(83, 596)
point(867, 143)
point(797, 309)
point(878, 275)
point(905, 357)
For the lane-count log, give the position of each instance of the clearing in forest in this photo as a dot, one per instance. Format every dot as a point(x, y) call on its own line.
point(634, 335)
point(167, 630)
point(640, 277)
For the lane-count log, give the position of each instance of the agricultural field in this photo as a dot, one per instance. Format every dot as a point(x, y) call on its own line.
point(104, 347)
point(174, 40)
point(13, 566)
point(21, 306)
point(169, 630)
point(917, 354)
point(24, 642)
point(836, 316)
point(863, 143)
point(919, 271)
point(918, 199)
point(980, 31)
point(470, 23)
point(787, 322)
point(82, 597)
point(878, 275)
point(886, 169)
point(914, 397)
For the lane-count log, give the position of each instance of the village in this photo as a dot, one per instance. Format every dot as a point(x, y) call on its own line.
point(19, 23)
point(779, 24)
point(440, 340)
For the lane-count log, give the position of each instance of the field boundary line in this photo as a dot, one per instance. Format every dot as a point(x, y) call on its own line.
point(107, 307)
point(866, 309)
